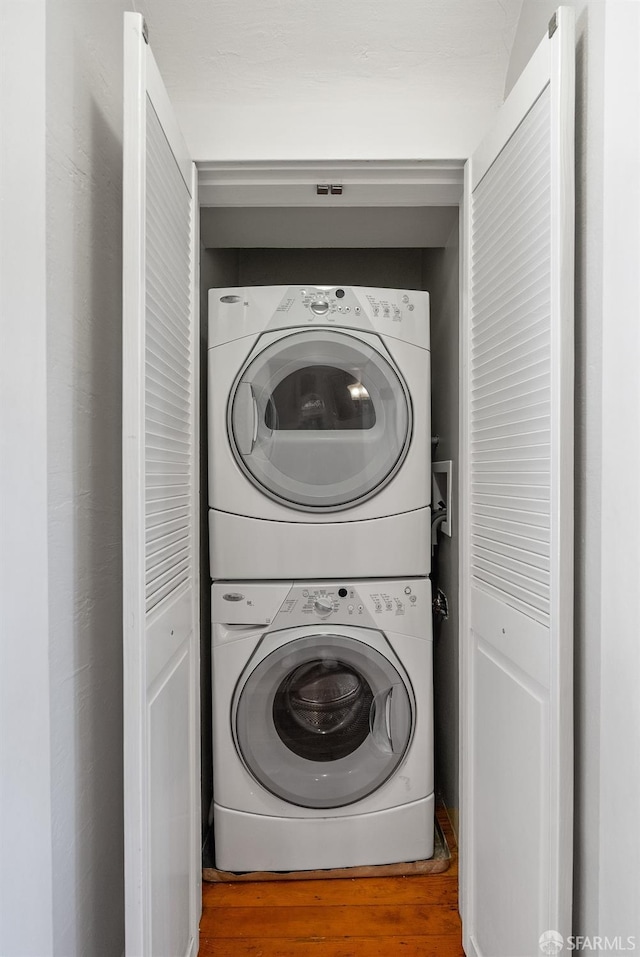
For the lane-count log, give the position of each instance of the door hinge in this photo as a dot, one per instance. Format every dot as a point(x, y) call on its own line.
point(553, 25)
point(145, 32)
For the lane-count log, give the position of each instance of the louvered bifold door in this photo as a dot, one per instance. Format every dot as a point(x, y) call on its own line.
point(517, 511)
point(160, 507)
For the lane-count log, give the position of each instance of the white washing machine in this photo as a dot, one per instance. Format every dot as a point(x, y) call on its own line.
point(319, 432)
point(322, 724)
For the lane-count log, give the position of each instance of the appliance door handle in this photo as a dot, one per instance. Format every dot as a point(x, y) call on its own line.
point(245, 418)
point(380, 721)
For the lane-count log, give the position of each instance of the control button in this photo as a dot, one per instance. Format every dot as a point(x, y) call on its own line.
point(342, 592)
point(323, 605)
point(350, 607)
point(347, 308)
point(305, 593)
point(339, 293)
point(413, 599)
point(407, 590)
point(320, 308)
point(360, 608)
point(405, 298)
point(409, 307)
point(356, 309)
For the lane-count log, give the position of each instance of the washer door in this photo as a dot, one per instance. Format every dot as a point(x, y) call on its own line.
point(319, 420)
point(323, 721)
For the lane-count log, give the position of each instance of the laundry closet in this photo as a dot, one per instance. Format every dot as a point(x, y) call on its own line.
point(333, 244)
point(492, 244)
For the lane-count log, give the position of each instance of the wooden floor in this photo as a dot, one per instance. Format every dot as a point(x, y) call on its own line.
point(368, 917)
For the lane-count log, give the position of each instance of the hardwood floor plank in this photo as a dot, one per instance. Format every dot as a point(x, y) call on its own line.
point(371, 890)
point(366, 917)
point(432, 946)
point(316, 921)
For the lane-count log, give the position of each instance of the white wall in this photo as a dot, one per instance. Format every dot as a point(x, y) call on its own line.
point(620, 522)
point(26, 876)
point(607, 614)
point(63, 872)
point(302, 79)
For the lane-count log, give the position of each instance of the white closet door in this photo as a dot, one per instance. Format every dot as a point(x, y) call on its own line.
point(517, 512)
point(160, 504)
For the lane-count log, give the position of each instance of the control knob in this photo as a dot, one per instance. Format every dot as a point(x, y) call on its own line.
point(323, 605)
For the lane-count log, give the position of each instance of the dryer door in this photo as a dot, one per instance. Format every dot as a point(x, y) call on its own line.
point(319, 420)
point(323, 721)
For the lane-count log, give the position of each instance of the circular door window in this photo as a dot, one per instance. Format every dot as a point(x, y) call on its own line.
point(320, 420)
point(323, 721)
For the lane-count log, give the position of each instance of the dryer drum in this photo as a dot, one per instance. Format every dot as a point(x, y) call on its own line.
point(321, 710)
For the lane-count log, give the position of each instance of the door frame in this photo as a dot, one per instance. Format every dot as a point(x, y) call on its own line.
point(287, 183)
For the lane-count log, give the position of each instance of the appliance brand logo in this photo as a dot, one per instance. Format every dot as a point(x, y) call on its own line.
point(233, 596)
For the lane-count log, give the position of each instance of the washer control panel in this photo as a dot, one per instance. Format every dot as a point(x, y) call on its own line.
point(340, 304)
point(393, 604)
point(329, 302)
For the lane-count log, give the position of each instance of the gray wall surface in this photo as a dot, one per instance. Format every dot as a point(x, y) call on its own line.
point(441, 278)
point(394, 268)
point(84, 361)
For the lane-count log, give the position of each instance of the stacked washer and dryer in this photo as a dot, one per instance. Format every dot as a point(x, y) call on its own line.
point(319, 519)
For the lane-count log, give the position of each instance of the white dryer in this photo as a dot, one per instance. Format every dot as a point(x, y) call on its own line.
point(322, 724)
point(319, 432)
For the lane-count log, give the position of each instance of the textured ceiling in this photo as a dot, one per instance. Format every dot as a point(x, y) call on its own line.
point(310, 49)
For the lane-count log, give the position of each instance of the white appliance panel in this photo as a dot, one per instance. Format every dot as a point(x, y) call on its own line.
point(266, 843)
point(242, 547)
point(402, 605)
point(240, 311)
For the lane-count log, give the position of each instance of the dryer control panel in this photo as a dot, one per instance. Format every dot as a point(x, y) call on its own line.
point(236, 312)
point(402, 605)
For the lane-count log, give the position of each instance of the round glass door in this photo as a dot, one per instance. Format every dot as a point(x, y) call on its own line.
point(320, 420)
point(323, 721)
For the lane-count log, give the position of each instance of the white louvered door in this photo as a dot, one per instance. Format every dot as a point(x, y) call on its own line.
point(161, 524)
point(517, 517)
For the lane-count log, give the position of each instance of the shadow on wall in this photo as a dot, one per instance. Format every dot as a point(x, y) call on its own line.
point(85, 411)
